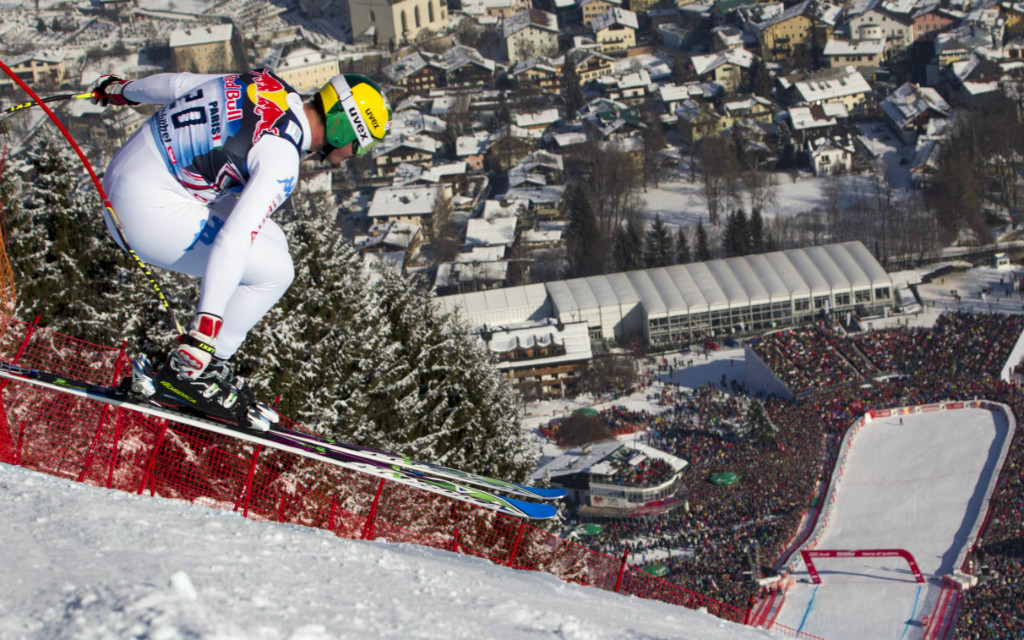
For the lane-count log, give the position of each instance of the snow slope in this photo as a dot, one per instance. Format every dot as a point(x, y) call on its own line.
point(917, 484)
point(81, 562)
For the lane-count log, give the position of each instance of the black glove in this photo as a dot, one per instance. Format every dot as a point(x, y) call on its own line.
point(109, 89)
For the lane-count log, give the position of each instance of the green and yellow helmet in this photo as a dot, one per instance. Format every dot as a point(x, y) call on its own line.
point(355, 109)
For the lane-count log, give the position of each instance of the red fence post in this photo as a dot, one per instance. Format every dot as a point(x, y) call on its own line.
point(622, 570)
point(368, 529)
point(281, 506)
point(244, 493)
point(455, 541)
point(750, 607)
point(515, 547)
point(114, 448)
point(331, 514)
point(152, 459)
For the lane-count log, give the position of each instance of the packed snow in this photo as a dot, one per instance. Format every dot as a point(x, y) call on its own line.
point(917, 482)
point(84, 562)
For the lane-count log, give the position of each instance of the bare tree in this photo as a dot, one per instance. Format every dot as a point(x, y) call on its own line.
point(716, 168)
point(761, 189)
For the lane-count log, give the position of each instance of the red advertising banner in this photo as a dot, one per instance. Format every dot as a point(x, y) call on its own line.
point(810, 554)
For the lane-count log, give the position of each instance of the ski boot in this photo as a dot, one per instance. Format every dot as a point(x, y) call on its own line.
point(216, 393)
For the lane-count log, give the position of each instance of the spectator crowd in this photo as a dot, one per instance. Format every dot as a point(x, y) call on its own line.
point(722, 536)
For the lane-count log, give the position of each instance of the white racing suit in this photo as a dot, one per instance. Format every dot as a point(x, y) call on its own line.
point(195, 186)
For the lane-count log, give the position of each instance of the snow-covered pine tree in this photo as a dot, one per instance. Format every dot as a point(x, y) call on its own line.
point(448, 402)
point(65, 267)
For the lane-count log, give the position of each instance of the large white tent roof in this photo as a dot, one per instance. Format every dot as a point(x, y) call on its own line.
point(688, 288)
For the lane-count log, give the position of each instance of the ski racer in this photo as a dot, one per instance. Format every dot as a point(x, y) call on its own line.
point(193, 191)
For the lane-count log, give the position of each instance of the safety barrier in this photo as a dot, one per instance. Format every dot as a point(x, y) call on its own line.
point(87, 441)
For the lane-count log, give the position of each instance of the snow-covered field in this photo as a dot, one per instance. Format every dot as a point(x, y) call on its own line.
point(914, 482)
point(80, 562)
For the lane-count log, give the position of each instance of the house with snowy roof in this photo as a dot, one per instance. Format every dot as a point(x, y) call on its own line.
point(974, 81)
point(538, 74)
point(841, 52)
point(472, 149)
point(507, 146)
point(213, 48)
point(414, 74)
point(830, 155)
point(796, 27)
point(397, 148)
point(531, 33)
point(615, 30)
point(412, 205)
point(629, 88)
point(546, 355)
point(843, 84)
point(899, 22)
point(910, 108)
point(696, 121)
point(752, 107)
point(806, 122)
point(390, 237)
point(464, 68)
point(728, 68)
point(307, 69)
point(590, 64)
point(590, 10)
point(538, 120)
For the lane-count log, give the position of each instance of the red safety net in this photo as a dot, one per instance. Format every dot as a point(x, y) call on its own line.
point(63, 435)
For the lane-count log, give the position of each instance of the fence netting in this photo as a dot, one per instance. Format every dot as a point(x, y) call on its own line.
point(87, 441)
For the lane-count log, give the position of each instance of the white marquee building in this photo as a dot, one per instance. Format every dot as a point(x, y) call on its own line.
point(689, 302)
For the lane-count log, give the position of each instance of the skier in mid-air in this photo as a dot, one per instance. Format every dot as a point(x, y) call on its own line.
point(193, 191)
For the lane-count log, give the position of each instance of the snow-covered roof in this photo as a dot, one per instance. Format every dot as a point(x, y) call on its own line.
point(822, 115)
point(533, 18)
point(839, 47)
point(398, 202)
point(201, 35)
point(541, 118)
point(615, 16)
point(737, 57)
point(471, 145)
point(491, 232)
point(697, 287)
point(837, 83)
point(910, 101)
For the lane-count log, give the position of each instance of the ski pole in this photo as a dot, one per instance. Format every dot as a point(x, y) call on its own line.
point(99, 187)
point(9, 111)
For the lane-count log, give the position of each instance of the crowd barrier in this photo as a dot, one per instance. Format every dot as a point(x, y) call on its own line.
point(86, 441)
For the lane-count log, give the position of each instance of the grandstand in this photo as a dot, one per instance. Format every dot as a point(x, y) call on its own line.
point(684, 303)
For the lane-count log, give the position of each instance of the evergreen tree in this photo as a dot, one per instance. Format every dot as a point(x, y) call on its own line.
point(571, 91)
point(658, 249)
point(582, 238)
point(629, 246)
point(759, 424)
point(65, 267)
point(682, 247)
point(756, 232)
point(703, 251)
point(760, 79)
point(735, 239)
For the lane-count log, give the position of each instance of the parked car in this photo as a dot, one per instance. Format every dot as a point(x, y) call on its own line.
point(710, 346)
point(730, 342)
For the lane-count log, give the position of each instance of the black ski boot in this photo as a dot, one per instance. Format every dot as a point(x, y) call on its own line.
point(216, 393)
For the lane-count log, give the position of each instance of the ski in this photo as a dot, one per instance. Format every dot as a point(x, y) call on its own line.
point(285, 441)
point(406, 463)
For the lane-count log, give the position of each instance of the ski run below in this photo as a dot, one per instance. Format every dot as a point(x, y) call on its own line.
point(916, 482)
point(80, 562)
